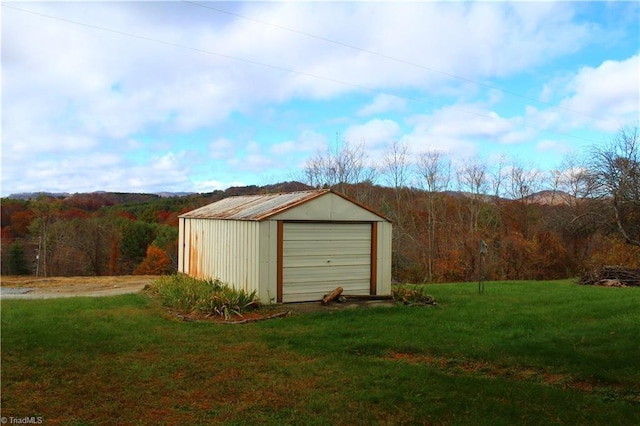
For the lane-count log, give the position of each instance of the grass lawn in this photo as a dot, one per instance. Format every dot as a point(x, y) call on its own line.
point(521, 353)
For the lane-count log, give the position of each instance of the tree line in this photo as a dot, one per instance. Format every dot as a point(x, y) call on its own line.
point(535, 225)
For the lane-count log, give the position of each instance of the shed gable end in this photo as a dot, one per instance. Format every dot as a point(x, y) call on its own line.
point(328, 207)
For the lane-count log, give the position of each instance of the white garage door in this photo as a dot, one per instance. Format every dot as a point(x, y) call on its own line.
point(318, 257)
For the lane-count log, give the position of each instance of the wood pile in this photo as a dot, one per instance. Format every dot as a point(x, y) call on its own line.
point(612, 276)
point(335, 294)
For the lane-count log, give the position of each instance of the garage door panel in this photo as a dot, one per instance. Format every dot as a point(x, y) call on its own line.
point(348, 287)
point(312, 248)
point(318, 257)
point(322, 273)
point(328, 260)
point(306, 293)
point(322, 231)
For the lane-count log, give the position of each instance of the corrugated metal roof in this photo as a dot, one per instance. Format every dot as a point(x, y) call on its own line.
point(253, 207)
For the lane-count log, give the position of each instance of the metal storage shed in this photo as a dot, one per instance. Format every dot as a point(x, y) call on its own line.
point(290, 247)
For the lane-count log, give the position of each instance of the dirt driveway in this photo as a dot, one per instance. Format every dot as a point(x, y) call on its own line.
point(22, 287)
point(50, 287)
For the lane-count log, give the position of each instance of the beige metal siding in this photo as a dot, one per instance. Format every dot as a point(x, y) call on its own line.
point(384, 259)
point(181, 251)
point(223, 249)
point(268, 261)
point(318, 257)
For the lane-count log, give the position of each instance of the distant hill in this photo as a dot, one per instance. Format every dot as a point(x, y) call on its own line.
point(549, 198)
point(104, 198)
point(25, 196)
point(110, 198)
point(174, 194)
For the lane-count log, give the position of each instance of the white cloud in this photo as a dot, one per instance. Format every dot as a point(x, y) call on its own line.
point(221, 148)
point(373, 133)
point(114, 85)
point(610, 92)
point(471, 122)
point(307, 142)
point(553, 146)
point(101, 171)
point(383, 103)
point(602, 98)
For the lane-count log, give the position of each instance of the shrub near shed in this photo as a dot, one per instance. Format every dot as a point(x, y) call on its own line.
point(202, 298)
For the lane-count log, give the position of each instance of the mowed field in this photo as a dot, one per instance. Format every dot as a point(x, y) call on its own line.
point(520, 353)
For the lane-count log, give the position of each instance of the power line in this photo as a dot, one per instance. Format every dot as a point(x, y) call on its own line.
point(280, 68)
point(395, 59)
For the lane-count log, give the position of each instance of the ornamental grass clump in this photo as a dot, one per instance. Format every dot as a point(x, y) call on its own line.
point(204, 298)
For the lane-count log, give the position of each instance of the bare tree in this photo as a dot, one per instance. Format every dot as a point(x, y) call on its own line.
point(498, 175)
point(571, 183)
point(575, 214)
point(341, 167)
point(523, 183)
point(472, 178)
point(397, 168)
point(614, 173)
point(435, 173)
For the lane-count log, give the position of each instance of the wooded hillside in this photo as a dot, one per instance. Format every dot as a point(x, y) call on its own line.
point(545, 235)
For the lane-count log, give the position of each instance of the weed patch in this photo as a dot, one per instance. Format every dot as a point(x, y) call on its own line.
point(195, 298)
point(412, 295)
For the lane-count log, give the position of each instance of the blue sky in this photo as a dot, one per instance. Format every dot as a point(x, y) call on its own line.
point(182, 96)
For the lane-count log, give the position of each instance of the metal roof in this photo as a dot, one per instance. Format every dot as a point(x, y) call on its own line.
point(253, 207)
point(261, 207)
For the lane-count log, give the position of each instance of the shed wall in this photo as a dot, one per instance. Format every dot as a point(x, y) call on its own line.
point(223, 249)
point(383, 266)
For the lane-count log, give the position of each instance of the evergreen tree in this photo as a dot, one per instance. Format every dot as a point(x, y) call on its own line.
point(17, 261)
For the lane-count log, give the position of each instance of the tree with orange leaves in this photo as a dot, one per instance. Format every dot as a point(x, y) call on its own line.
point(156, 263)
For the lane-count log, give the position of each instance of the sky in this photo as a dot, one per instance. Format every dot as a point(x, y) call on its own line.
point(198, 96)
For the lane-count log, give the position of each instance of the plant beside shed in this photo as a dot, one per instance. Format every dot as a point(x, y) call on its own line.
point(191, 298)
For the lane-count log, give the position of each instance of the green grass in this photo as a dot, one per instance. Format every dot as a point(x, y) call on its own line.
point(521, 353)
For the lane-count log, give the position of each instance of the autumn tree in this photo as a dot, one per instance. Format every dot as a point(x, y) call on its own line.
point(136, 238)
point(156, 262)
point(45, 211)
point(81, 246)
point(167, 240)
